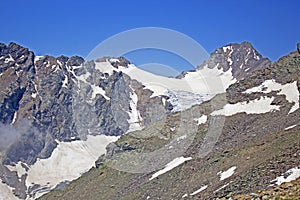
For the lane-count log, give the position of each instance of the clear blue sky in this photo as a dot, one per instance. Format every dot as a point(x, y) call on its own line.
point(58, 27)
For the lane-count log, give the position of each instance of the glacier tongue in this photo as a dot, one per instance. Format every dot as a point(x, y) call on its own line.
point(182, 100)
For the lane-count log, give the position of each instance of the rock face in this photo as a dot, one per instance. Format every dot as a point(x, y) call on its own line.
point(242, 59)
point(44, 99)
point(63, 99)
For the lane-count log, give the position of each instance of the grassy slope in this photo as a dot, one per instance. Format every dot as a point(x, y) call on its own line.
point(254, 160)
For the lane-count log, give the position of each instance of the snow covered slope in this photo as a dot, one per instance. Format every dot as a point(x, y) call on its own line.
point(290, 90)
point(67, 162)
point(6, 193)
point(201, 81)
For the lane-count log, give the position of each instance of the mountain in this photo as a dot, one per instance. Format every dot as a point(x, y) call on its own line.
point(60, 115)
point(240, 59)
point(256, 152)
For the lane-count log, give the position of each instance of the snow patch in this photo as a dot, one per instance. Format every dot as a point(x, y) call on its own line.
point(256, 57)
point(65, 82)
point(68, 161)
point(290, 90)
point(221, 188)
point(227, 48)
point(74, 67)
point(33, 95)
point(290, 127)
point(201, 120)
point(10, 59)
point(163, 100)
point(37, 58)
point(35, 87)
point(171, 165)
point(59, 63)
point(185, 195)
point(199, 190)
point(246, 60)
point(6, 192)
point(54, 66)
point(172, 129)
point(134, 115)
point(114, 60)
point(229, 60)
point(83, 77)
point(105, 67)
point(293, 174)
point(226, 174)
point(18, 168)
point(257, 106)
point(15, 117)
point(98, 90)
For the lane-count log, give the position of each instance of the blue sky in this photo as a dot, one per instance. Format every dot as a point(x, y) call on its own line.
point(75, 27)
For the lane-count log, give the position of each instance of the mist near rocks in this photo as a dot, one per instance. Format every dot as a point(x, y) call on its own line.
point(10, 134)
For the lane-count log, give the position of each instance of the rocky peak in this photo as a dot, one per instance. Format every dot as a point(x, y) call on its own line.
point(63, 59)
point(16, 50)
point(75, 61)
point(285, 71)
point(14, 55)
point(242, 59)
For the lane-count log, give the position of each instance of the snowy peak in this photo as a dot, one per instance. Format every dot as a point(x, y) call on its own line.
point(241, 59)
